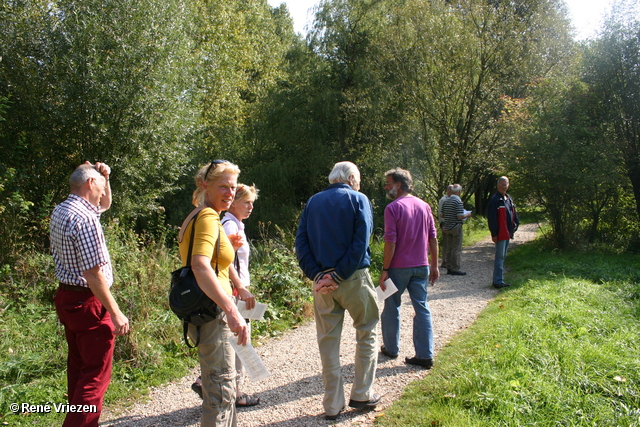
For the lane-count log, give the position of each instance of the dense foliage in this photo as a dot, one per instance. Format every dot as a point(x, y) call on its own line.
point(155, 89)
point(578, 148)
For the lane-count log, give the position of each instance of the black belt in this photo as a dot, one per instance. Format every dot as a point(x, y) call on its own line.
point(74, 288)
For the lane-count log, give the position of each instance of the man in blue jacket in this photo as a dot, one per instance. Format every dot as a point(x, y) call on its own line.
point(503, 222)
point(332, 245)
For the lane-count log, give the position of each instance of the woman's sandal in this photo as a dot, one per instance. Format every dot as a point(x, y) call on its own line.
point(248, 401)
point(197, 387)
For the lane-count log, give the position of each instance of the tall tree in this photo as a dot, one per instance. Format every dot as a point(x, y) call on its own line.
point(454, 62)
point(611, 67)
point(561, 161)
point(240, 48)
point(96, 80)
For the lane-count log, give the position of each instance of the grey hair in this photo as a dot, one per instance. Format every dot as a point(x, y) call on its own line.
point(81, 175)
point(342, 171)
point(503, 178)
point(456, 189)
point(402, 176)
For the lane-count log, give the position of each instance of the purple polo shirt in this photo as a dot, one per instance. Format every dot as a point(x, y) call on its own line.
point(409, 223)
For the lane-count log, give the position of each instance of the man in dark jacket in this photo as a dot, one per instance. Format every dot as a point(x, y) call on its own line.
point(332, 245)
point(503, 222)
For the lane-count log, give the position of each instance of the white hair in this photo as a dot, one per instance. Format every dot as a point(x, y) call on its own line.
point(342, 171)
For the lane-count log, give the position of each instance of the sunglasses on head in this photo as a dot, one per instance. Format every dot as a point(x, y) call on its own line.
point(215, 162)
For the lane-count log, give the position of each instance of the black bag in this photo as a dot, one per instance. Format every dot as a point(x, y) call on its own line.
point(187, 300)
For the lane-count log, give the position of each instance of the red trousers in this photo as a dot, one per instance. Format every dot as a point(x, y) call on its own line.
point(89, 332)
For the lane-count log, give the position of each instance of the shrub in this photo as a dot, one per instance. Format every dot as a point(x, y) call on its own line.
point(277, 280)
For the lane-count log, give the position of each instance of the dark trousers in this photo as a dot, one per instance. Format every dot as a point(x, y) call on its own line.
point(89, 332)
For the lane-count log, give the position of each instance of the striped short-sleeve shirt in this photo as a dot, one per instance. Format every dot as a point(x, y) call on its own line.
point(77, 241)
point(452, 208)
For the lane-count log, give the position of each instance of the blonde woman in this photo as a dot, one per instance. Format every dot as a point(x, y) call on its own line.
point(212, 255)
point(240, 210)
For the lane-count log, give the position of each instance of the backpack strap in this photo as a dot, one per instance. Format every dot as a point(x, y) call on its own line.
point(193, 234)
point(188, 219)
point(185, 328)
point(217, 252)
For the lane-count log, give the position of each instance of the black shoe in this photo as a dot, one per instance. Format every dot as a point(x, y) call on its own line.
point(386, 353)
point(500, 285)
point(425, 363)
point(371, 403)
point(456, 273)
point(197, 388)
point(332, 417)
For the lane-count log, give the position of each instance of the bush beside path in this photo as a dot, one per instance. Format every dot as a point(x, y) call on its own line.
point(292, 395)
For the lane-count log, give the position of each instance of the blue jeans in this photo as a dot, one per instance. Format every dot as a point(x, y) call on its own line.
point(498, 264)
point(415, 281)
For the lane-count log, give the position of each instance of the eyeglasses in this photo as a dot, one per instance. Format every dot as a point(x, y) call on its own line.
point(215, 162)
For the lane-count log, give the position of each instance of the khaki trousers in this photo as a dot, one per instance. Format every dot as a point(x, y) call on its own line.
point(217, 364)
point(356, 295)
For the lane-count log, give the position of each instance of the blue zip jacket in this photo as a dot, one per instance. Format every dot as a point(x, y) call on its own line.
point(334, 232)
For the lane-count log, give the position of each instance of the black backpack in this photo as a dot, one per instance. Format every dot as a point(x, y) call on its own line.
point(187, 300)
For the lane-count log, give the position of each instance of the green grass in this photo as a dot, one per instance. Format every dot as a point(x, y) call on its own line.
point(559, 349)
point(474, 229)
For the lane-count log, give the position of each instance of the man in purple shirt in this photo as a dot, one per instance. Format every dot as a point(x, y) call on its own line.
point(410, 241)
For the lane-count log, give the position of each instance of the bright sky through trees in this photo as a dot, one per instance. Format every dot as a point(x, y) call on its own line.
point(586, 15)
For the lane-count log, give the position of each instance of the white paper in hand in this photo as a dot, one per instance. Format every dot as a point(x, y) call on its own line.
point(391, 289)
point(257, 313)
point(250, 360)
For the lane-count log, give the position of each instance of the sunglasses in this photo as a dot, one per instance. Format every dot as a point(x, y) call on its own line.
point(215, 162)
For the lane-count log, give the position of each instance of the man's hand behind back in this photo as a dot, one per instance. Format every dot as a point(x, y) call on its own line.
point(326, 285)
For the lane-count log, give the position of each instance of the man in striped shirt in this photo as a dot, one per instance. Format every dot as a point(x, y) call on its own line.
point(454, 216)
point(83, 301)
point(445, 261)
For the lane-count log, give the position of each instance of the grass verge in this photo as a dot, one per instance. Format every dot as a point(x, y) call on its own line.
point(559, 349)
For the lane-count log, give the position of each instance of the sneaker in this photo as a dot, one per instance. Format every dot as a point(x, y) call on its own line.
point(384, 351)
point(425, 363)
point(456, 273)
point(371, 403)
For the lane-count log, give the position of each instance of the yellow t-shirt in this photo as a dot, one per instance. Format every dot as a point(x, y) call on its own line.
point(208, 228)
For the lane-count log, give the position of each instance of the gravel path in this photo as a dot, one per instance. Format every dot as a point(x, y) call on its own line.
point(292, 395)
